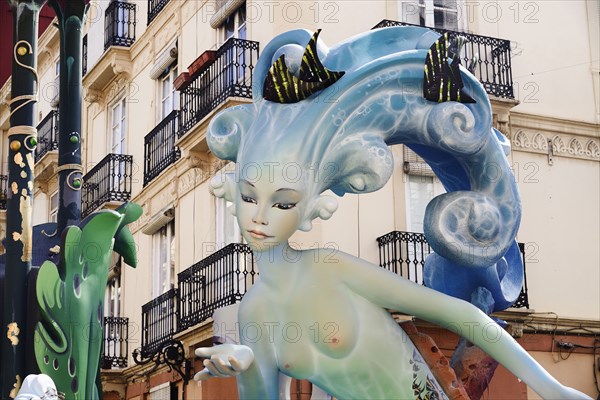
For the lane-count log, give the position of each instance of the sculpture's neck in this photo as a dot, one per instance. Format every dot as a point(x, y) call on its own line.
point(278, 265)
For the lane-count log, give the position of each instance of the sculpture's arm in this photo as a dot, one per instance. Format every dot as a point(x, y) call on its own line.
point(394, 292)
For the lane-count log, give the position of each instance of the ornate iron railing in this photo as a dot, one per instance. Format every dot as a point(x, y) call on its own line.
point(159, 317)
point(155, 7)
point(217, 281)
point(109, 180)
point(116, 342)
point(3, 191)
point(84, 55)
point(119, 24)
point(47, 135)
point(491, 58)
point(228, 75)
point(159, 147)
point(404, 253)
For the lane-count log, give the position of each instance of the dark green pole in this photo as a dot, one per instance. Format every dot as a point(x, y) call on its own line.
point(70, 15)
point(22, 141)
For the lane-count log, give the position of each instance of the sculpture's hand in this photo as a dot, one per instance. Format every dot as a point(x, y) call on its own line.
point(224, 360)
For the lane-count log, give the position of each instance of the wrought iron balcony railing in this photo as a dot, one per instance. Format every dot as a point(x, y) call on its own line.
point(217, 281)
point(228, 75)
point(116, 342)
point(109, 180)
point(491, 58)
point(119, 24)
point(154, 8)
point(47, 135)
point(3, 191)
point(84, 55)
point(159, 317)
point(159, 147)
point(404, 253)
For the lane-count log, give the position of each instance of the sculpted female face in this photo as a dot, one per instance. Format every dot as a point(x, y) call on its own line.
point(270, 203)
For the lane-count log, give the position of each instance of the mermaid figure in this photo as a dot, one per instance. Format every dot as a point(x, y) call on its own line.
point(322, 119)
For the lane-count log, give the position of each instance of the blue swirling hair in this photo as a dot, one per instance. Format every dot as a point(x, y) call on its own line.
point(345, 130)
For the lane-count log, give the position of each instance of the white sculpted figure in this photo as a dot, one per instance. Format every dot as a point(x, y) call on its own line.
point(341, 336)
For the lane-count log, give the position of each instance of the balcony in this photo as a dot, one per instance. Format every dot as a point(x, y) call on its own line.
point(119, 24)
point(217, 281)
point(154, 8)
point(3, 191)
point(159, 318)
point(47, 135)
point(116, 343)
point(491, 58)
point(159, 147)
point(404, 253)
point(229, 74)
point(110, 180)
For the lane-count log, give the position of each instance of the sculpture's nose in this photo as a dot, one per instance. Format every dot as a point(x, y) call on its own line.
point(260, 217)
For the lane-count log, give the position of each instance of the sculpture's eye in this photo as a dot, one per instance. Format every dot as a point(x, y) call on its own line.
point(247, 199)
point(284, 206)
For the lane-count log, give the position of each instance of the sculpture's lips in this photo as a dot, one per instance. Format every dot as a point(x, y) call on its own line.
point(258, 234)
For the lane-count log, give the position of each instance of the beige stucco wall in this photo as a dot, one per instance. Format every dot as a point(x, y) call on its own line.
point(551, 53)
point(574, 372)
point(560, 225)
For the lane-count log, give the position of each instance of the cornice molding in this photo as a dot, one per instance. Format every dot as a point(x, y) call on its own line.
point(555, 137)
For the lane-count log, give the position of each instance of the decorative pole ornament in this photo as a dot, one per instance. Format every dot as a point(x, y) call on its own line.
point(71, 14)
point(22, 138)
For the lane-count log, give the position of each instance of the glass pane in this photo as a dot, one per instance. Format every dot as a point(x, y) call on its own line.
point(229, 27)
point(420, 193)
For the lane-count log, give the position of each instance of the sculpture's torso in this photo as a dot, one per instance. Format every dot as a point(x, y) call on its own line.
point(318, 329)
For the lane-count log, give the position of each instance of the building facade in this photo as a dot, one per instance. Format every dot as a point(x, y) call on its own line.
point(156, 71)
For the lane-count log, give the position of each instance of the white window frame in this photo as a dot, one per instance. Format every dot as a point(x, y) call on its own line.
point(240, 26)
point(422, 12)
point(56, 92)
point(171, 97)
point(117, 142)
point(53, 211)
point(160, 286)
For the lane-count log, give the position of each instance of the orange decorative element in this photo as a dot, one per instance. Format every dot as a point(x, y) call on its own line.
point(182, 81)
point(15, 145)
point(13, 333)
point(437, 362)
point(16, 387)
point(202, 62)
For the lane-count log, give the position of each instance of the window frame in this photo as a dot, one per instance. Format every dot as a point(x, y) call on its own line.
point(159, 287)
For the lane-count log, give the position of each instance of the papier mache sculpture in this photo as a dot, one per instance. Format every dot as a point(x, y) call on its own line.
point(334, 112)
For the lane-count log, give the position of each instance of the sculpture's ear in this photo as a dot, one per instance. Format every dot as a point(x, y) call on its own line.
point(222, 185)
point(225, 131)
point(322, 207)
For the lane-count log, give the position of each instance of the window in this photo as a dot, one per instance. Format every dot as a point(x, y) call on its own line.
point(55, 87)
point(163, 277)
point(53, 209)
point(420, 192)
point(112, 298)
point(169, 98)
point(118, 126)
point(234, 25)
point(166, 391)
point(444, 14)
point(228, 230)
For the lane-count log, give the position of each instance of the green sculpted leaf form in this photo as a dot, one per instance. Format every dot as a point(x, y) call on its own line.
point(68, 338)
